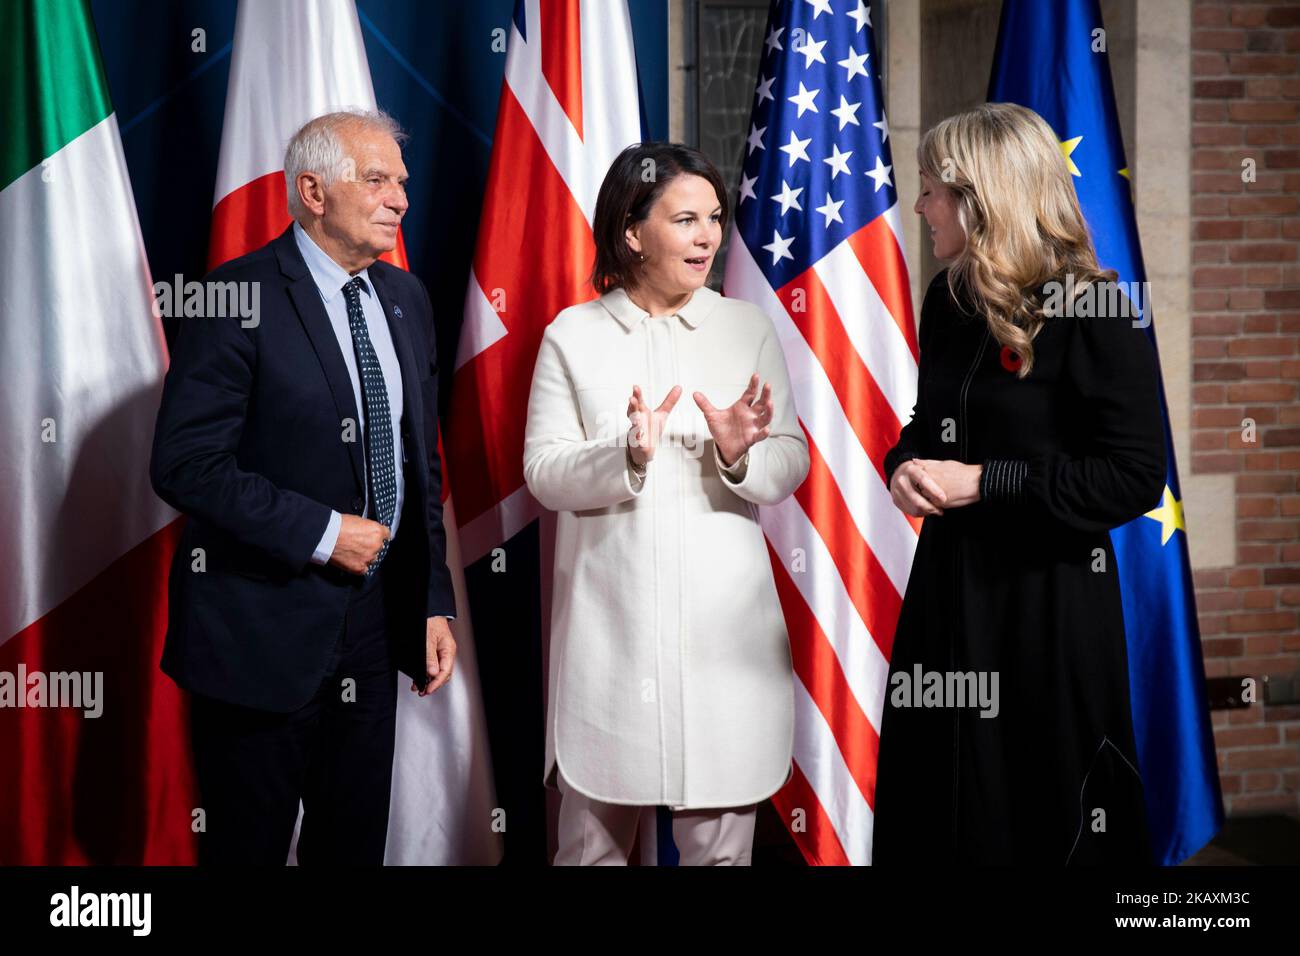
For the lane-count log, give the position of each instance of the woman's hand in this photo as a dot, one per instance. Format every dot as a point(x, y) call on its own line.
point(959, 482)
point(915, 493)
point(740, 426)
point(647, 424)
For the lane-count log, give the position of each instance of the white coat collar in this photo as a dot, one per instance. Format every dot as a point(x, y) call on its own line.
point(697, 308)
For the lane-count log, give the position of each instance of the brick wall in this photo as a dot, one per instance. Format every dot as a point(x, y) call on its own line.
point(1246, 326)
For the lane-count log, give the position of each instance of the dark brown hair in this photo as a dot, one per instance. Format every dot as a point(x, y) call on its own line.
point(626, 196)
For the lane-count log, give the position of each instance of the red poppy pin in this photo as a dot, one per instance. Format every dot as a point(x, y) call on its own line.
point(1011, 361)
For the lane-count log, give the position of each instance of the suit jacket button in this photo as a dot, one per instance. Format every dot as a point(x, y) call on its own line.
point(358, 505)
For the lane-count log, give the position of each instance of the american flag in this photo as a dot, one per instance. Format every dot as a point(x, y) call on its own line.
point(817, 245)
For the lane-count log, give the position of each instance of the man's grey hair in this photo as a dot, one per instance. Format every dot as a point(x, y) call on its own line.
point(318, 148)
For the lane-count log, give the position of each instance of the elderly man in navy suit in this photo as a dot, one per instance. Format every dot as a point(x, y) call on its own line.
point(304, 449)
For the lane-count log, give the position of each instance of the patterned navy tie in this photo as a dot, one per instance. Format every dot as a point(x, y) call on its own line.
point(379, 422)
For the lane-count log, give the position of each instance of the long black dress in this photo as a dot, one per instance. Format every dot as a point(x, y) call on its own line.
point(1022, 583)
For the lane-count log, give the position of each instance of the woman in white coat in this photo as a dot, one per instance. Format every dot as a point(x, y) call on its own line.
point(670, 675)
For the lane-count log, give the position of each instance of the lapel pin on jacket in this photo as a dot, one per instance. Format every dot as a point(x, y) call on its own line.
point(1011, 360)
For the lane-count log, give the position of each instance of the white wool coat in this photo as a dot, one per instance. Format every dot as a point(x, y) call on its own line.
point(670, 675)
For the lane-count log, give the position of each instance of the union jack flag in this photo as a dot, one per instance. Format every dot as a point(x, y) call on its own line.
point(569, 105)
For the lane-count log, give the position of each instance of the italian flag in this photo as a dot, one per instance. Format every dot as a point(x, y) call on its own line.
point(292, 62)
point(86, 543)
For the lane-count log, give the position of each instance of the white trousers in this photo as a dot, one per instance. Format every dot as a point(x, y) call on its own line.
point(592, 833)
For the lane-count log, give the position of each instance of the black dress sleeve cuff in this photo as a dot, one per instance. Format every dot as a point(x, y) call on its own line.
point(1003, 480)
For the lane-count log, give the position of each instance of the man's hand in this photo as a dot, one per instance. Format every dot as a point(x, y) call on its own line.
point(439, 654)
point(360, 540)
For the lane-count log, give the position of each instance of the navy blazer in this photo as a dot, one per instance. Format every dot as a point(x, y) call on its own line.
point(250, 444)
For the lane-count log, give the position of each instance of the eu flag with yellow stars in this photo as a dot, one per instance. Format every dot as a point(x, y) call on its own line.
point(1051, 58)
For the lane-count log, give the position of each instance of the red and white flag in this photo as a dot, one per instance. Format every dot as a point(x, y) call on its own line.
point(292, 62)
point(816, 245)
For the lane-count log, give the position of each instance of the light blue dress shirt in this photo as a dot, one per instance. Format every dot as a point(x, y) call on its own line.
point(330, 278)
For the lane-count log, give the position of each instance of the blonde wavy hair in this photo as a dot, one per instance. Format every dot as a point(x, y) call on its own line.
point(1017, 206)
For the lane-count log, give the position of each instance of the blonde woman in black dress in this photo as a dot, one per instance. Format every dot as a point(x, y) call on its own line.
point(1037, 429)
